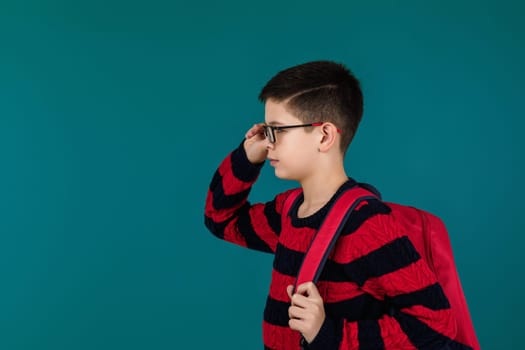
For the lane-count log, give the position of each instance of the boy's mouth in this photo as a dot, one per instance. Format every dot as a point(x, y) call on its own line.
point(272, 161)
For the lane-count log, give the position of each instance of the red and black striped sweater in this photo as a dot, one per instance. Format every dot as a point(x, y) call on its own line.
point(378, 293)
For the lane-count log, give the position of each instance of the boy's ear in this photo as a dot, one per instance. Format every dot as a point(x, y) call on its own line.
point(328, 137)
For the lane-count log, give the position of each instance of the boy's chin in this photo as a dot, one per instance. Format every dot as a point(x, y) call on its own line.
point(284, 176)
point(279, 174)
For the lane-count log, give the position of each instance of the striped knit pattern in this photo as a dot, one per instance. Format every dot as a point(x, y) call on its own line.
point(378, 293)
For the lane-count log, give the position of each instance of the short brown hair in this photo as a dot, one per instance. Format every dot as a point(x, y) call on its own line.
point(319, 91)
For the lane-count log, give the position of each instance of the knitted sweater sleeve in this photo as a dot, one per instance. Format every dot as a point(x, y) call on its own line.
point(229, 215)
point(384, 264)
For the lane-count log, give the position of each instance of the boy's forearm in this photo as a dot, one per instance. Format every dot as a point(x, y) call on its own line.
point(230, 186)
point(229, 215)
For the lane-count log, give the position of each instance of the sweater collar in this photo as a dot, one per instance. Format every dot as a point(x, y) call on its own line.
point(314, 220)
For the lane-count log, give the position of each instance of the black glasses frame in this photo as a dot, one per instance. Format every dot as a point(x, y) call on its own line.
point(269, 130)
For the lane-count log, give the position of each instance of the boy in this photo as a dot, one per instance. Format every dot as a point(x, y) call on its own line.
point(375, 291)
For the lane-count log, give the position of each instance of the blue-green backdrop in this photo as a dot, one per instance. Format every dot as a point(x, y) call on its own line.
point(114, 115)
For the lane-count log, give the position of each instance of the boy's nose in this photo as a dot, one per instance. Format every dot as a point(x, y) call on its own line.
point(269, 145)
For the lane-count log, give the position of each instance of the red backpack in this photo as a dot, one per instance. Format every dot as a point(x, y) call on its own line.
point(426, 232)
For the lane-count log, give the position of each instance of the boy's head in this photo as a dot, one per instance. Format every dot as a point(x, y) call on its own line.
point(319, 91)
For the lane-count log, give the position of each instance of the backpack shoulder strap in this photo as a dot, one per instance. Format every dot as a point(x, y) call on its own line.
point(325, 238)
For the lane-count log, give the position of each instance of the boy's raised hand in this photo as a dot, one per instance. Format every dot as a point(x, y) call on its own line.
point(255, 144)
point(307, 310)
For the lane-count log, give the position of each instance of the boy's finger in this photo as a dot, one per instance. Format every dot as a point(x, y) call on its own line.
point(289, 291)
point(308, 289)
point(255, 129)
point(297, 312)
point(301, 301)
point(297, 299)
point(296, 324)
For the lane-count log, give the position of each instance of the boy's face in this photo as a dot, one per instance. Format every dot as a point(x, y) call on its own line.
point(294, 153)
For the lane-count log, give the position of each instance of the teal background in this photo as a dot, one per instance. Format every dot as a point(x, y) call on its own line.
point(115, 114)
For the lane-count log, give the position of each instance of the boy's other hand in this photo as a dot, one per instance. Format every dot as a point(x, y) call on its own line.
point(307, 310)
point(255, 144)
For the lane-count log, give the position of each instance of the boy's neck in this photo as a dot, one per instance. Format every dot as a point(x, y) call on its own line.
point(320, 188)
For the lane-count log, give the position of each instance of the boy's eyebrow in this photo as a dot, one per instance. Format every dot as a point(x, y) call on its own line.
point(274, 123)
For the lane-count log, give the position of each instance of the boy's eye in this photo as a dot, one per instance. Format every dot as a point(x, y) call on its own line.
point(279, 130)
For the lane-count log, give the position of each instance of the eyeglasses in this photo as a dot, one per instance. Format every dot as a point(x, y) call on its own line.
point(269, 130)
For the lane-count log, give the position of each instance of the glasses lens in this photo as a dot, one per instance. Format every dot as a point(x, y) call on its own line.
point(268, 132)
point(265, 129)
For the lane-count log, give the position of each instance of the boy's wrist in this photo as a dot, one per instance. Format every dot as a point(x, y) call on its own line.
point(242, 167)
point(325, 339)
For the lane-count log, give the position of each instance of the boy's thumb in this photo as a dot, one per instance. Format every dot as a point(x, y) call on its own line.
point(289, 290)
